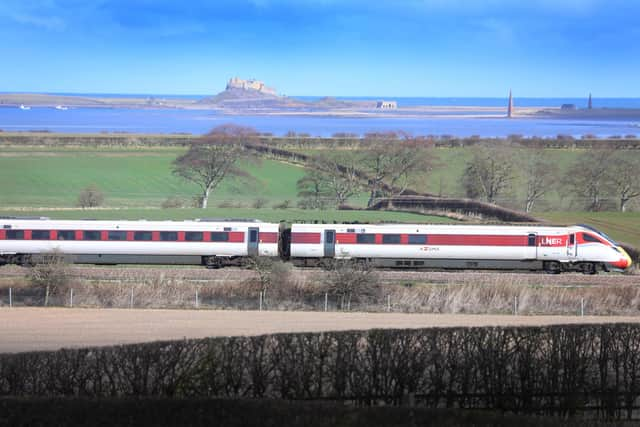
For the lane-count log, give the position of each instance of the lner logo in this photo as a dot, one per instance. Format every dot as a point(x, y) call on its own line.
point(551, 241)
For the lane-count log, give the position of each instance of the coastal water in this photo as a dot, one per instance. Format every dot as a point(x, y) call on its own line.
point(96, 120)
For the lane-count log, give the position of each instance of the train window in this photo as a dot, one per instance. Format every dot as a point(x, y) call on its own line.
point(169, 236)
point(90, 235)
point(117, 235)
point(40, 235)
point(589, 238)
point(142, 236)
point(193, 236)
point(218, 236)
point(253, 236)
point(15, 234)
point(391, 239)
point(66, 235)
point(572, 239)
point(417, 239)
point(418, 262)
point(366, 238)
point(531, 239)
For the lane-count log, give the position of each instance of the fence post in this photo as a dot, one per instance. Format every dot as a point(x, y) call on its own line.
point(326, 301)
point(515, 305)
point(10, 297)
point(582, 307)
point(260, 301)
point(389, 303)
point(71, 298)
point(131, 299)
point(197, 303)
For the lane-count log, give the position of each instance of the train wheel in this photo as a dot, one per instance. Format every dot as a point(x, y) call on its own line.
point(552, 267)
point(588, 268)
point(212, 262)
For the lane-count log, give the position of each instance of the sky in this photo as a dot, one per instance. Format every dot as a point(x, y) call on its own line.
point(421, 48)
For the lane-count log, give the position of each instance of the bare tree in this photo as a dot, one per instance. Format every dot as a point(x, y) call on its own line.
point(588, 179)
point(350, 279)
point(214, 157)
point(489, 173)
point(51, 273)
point(625, 176)
point(341, 177)
point(312, 187)
point(391, 162)
point(90, 197)
point(539, 173)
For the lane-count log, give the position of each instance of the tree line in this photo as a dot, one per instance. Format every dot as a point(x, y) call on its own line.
point(389, 164)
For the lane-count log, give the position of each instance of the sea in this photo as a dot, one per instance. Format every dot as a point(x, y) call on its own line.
point(174, 121)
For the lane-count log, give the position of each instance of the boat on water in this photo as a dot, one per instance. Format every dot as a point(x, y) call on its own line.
point(24, 107)
point(61, 107)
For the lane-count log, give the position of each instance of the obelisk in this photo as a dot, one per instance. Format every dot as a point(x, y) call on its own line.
point(510, 106)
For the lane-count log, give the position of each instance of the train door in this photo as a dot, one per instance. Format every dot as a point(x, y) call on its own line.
point(532, 246)
point(329, 243)
point(252, 242)
point(572, 246)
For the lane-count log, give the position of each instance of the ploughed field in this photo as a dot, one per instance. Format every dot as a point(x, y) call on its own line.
point(31, 329)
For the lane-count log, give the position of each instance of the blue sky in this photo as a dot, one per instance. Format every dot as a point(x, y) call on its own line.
point(435, 48)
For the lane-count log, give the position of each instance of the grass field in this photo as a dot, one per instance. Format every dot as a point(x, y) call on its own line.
point(449, 165)
point(128, 177)
point(267, 214)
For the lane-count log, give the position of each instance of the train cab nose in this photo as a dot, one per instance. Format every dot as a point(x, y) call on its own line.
point(625, 260)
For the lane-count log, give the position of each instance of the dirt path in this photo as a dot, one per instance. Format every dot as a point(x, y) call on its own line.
point(28, 329)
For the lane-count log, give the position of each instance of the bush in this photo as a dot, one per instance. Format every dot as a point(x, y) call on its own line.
point(259, 203)
point(172, 202)
point(51, 273)
point(286, 204)
point(90, 197)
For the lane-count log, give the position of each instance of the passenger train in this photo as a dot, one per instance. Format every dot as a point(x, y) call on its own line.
point(219, 243)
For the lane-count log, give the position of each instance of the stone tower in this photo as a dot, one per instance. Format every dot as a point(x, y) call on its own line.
point(590, 104)
point(510, 106)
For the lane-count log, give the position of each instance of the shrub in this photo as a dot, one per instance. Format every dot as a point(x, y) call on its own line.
point(172, 202)
point(286, 204)
point(259, 203)
point(90, 197)
point(51, 273)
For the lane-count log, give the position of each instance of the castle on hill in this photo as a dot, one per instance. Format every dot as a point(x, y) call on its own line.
point(257, 85)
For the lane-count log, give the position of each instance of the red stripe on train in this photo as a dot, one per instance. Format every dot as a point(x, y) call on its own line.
point(268, 237)
point(305, 237)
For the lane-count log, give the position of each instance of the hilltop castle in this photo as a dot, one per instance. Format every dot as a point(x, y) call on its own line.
point(257, 85)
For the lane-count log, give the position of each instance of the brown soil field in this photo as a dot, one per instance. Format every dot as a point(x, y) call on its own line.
point(33, 329)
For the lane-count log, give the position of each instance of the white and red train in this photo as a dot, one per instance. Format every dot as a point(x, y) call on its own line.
point(218, 243)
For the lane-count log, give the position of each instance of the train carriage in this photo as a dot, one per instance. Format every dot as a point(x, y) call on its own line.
point(218, 243)
point(553, 249)
point(214, 243)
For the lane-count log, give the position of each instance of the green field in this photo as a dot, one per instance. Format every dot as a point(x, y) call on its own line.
point(128, 178)
point(267, 214)
point(449, 164)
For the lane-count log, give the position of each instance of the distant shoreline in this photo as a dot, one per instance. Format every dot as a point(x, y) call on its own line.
point(339, 109)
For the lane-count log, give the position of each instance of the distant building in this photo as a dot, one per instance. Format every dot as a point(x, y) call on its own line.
point(387, 105)
point(590, 103)
point(568, 107)
point(510, 105)
point(257, 85)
